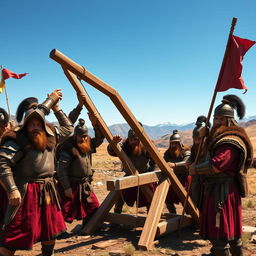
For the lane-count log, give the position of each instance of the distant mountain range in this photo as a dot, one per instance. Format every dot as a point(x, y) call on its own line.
point(159, 131)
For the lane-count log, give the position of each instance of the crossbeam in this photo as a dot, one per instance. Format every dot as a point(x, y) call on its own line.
point(134, 180)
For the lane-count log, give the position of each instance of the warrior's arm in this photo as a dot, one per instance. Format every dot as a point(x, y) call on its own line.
point(98, 139)
point(185, 159)
point(63, 166)
point(75, 113)
point(9, 155)
point(66, 127)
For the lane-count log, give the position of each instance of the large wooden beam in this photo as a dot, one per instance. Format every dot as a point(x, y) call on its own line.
point(98, 217)
point(147, 237)
point(134, 180)
point(126, 219)
point(84, 74)
point(171, 225)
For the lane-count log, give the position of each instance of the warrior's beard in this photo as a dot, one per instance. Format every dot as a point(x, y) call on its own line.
point(136, 150)
point(38, 140)
point(175, 152)
point(85, 146)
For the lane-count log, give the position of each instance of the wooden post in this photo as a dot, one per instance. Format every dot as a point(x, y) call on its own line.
point(84, 74)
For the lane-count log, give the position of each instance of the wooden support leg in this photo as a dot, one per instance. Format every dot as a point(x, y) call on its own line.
point(100, 214)
point(149, 231)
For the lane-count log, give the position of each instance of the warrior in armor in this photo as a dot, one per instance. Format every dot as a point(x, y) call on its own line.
point(4, 123)
point(177, 155)
point(197, 181)
point(26, 173)
point(141, 160)
point(74, 160)
point(228, 152)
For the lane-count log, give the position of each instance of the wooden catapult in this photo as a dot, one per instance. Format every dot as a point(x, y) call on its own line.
point(153, 225)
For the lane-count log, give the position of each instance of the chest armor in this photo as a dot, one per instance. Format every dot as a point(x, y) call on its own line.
point(35, 164)
point(140, 162)
point(81, 166)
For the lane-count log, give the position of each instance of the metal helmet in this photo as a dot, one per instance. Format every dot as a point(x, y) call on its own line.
point(228, 105)
point(37, 113)
point(132, 134)
point(81, 128)
point(175, 136)
point(4, 117)
point(199, 124)
point(32, 109)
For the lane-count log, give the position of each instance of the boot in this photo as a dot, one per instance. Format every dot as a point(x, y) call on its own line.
point(236, 247)
point(47, 249)
point(220, 248)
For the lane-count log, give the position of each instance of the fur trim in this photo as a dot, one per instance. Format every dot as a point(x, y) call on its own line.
point(237, 131)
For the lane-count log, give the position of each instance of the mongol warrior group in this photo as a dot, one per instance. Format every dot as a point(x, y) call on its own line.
point(46, 174)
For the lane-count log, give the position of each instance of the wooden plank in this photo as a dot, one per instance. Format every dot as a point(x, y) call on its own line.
point(146, 241)
point(126, 219)
point(133, 180)
point(101, 213)
point(172, 225)
point(131, 120)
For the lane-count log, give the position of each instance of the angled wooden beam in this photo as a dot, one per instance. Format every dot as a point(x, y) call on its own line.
point(134, 180)
point(98, 217)
point(148, 234)
point(84, 74)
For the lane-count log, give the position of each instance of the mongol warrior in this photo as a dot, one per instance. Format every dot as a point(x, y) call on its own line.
point(197, 181)
point(229, 154)
point(139, 156)
point(177, 155)
point(26, 173)
point(74, 158)
point(4, 123)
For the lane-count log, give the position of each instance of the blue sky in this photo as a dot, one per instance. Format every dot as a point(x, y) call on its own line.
point(163, 57)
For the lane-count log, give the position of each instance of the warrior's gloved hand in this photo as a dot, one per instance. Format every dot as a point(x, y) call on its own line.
point(81, 99)
point(14, 197)
point(172, 165)
point(56, 94)
point(117, 138)
point(68, 193)
point(93, 119)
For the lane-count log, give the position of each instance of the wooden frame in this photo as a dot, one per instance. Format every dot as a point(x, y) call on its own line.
point(167, 177)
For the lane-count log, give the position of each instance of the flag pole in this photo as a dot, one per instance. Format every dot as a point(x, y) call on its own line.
point(7, 101)
point(6, 95)
point(233, 24)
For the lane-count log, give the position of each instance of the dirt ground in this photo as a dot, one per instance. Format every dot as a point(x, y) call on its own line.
point(123, 240)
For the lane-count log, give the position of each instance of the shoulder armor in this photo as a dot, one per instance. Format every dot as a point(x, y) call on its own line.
point(9, 149)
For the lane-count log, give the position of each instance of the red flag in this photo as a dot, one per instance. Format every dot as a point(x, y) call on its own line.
point(7, 74)
point(230, 73)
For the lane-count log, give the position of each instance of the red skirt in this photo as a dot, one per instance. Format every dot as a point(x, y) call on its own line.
point(172, 197)
point(33, 222)
point(75, 208)
point(230, 218)
point(130, 196)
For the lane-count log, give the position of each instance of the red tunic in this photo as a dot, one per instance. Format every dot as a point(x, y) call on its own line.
point(34, 221)
point(77, 208)
point(226, 159)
